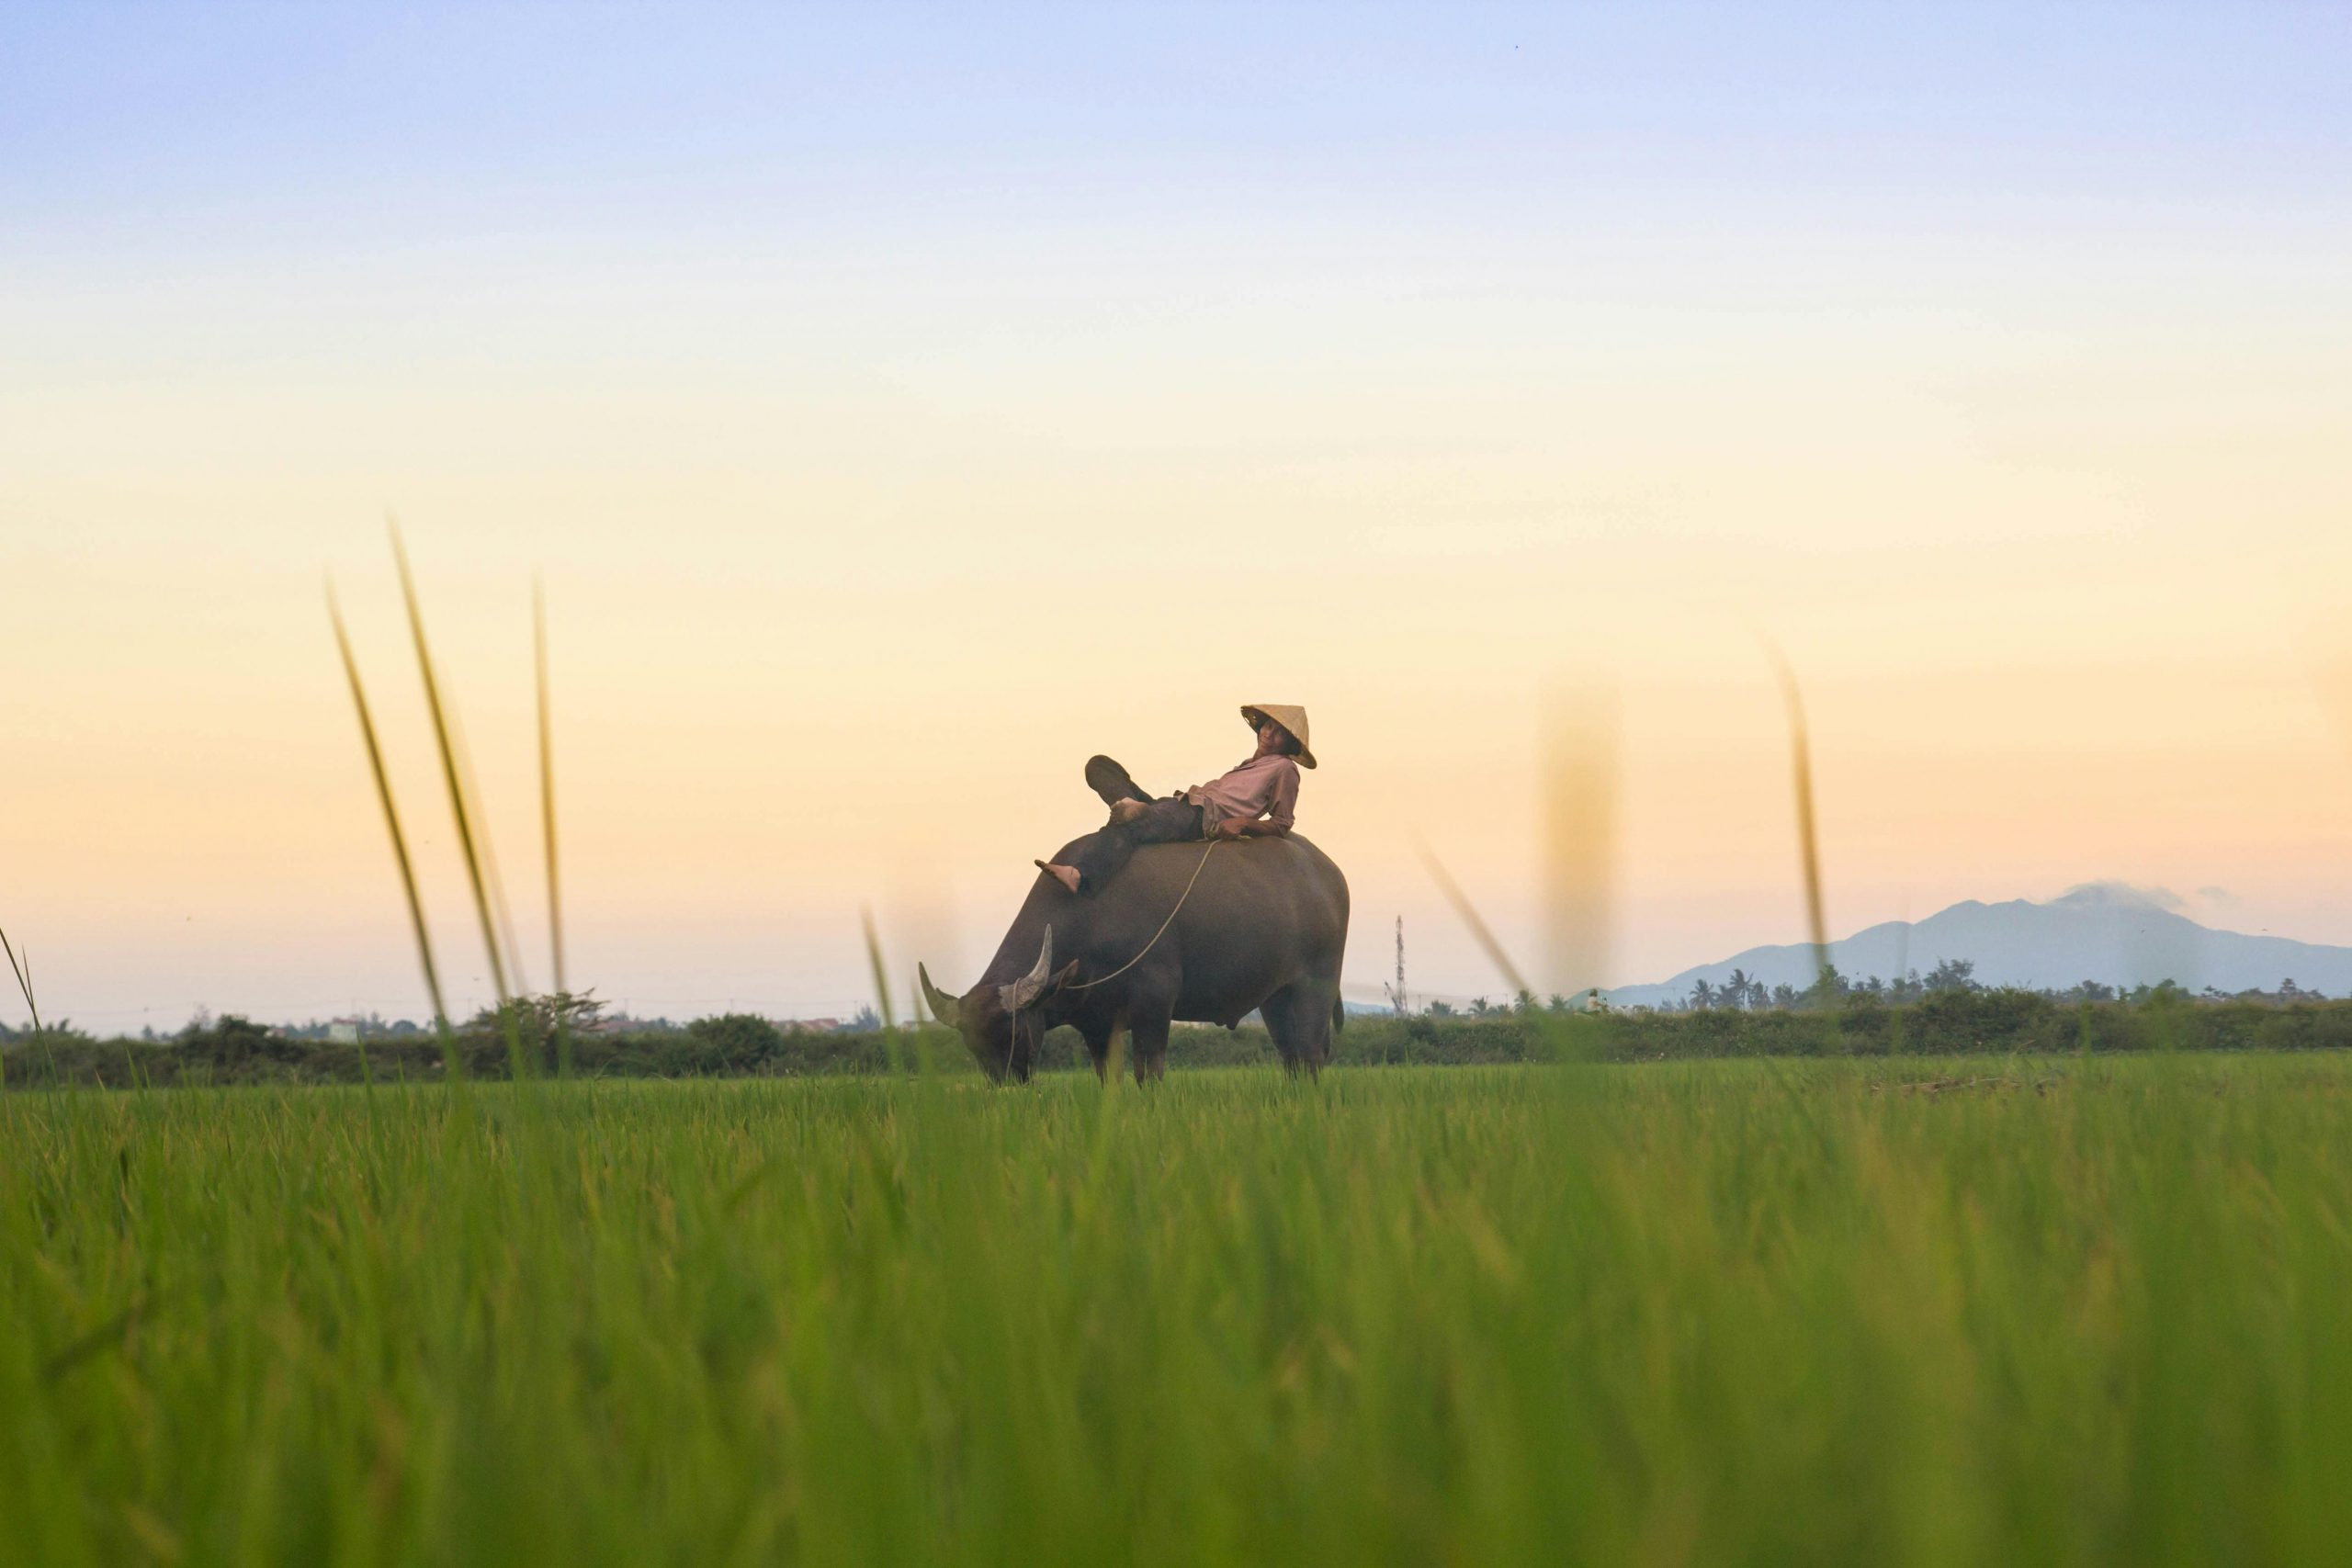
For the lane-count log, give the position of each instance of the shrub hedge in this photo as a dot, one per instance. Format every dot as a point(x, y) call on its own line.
point(235, 1051)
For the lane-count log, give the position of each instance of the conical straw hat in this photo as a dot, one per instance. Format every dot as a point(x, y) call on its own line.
point(1290, 718)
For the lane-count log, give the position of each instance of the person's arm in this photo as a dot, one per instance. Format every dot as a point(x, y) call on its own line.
point(1280, 812)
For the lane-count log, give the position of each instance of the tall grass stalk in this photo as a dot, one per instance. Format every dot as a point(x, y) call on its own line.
point(546, 822)
point(473, 837)
point(451, 773)
point(24, 980)
point(456, 1063)
point(510, 943)
point(22, 970)
point(391, 813)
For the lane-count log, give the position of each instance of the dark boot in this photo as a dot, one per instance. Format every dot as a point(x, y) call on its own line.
point(1110, 780)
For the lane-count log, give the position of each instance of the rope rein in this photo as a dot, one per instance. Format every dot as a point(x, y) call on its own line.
point(1012, 1014)
point(1089, 985)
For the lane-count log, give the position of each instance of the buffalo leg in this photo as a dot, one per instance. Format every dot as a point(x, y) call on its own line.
point(1283, 1026)
point(1148, 1041)
point(1098, 1047)
point(1299, 1018)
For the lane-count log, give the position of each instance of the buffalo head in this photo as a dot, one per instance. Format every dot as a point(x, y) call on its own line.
point(1002, 1024)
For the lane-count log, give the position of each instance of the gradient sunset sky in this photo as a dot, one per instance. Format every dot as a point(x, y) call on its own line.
point(901, 403)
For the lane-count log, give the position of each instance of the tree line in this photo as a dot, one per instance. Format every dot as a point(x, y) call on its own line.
point(1740, 992)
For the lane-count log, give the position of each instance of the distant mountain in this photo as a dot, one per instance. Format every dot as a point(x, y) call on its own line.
point(2105, 931)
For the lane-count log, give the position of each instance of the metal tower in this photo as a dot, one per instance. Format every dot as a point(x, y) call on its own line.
point(1396, 991)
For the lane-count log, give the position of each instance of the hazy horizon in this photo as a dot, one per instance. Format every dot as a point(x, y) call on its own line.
point(900, 406)
point(2209, 908)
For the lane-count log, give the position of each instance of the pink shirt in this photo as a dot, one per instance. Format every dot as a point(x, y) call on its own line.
point(1262, 786)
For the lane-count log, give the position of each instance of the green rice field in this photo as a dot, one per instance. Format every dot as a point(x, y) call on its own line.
point(1981, 1311)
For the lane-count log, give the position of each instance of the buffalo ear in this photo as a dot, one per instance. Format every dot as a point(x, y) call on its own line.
point(943, 1008)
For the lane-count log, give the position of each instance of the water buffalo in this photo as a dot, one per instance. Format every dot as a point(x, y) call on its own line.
point(1263, 927)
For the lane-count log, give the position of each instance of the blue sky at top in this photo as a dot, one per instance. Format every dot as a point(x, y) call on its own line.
point(139, 128)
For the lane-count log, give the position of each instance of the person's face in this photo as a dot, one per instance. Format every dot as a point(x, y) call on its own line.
point(1270, 738)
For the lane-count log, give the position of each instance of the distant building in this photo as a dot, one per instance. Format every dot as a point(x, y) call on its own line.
point(344, 1031)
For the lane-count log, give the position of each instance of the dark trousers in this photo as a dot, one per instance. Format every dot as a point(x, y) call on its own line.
point(1101, 854)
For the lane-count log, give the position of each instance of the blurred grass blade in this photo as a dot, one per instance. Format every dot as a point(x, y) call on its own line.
point(881, 976)
point(1579, 809)
point(1808, 845)
point(1471, 918)
point(451, 774)
point(881, 989)
point(547, 827)
point(547, 784)
point(391, 813)
point(107, 1335)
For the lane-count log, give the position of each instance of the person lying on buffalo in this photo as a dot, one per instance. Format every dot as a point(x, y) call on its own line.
point(1257, 799)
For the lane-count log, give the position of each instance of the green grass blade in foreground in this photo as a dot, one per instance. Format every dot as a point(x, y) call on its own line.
point(393, 826)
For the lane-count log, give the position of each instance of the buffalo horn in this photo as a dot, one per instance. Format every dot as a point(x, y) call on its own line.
point(943, 1007)
point(1027, 988)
